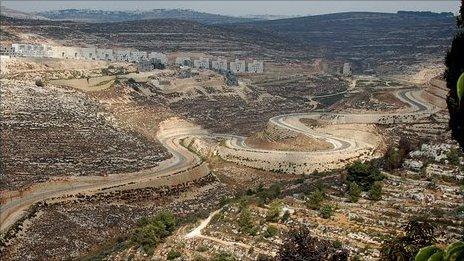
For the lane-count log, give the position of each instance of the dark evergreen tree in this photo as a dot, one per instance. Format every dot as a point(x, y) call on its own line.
point(301, 246)
point(454, 69)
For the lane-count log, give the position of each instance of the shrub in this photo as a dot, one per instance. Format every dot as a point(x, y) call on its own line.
point(285, 216)
point(39, 82)
point(326, 211)
point(300, 245)
point(224, 256)
point(453, 156)
point(173, 254)
point(271, 231)
point(152, 230)
point(375, 193)
point(315, 199)
point(354, 192)
point(131, 80)
point(364, 174)
point(274, 211)
point(245, 223)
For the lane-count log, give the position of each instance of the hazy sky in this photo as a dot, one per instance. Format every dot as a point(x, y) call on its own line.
point(245, 7)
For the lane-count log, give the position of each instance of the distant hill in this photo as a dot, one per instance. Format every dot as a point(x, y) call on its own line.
point(7, 12)
point(364, 36)
point(101, 16)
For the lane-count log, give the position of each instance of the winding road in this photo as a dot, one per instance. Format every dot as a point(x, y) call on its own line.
point(14, 206)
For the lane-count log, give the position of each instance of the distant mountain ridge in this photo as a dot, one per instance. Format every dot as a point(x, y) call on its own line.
point(102, 16)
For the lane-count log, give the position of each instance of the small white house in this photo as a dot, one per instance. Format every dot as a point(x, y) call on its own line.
point(88, 53)
point(238, 66)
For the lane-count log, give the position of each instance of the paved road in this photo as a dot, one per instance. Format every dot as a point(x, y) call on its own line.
point(182, 159)
point(12, 208)
point(292, 122)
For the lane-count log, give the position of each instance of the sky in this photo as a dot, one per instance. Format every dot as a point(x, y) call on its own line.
point(244, 7)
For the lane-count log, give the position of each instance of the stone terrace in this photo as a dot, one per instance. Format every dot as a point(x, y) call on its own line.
point(48, 131)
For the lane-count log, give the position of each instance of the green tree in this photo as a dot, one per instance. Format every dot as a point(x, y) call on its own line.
point(271, 231)
point(454, 69)
point(151, 231)
point(454, 252)
point(300, 245)
point(418, 234)
point(274, 211)
point(326, 211)
point(364, 174)
point(375, 193)
point(245, 222)
point(315, 199)
point(173, 254)
point(354, 192)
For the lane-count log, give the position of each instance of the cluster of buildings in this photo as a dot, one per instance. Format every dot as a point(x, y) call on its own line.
point(145, 61)
point(84, 53)
point(222, 65)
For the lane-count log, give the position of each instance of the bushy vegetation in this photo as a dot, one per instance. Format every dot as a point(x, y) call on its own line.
point(375, 193)
point(274, 211)
point(271, 231)
point(418, 234)
point(395, 156)
point(224, 256)
point(454, 69)
point(354, 192)
point(365, 174)
point(453, 156)
point(315, 199)
point(245, 222)
point(300, 245)
point(454, 252)
point(173, 254)
point(326, 211)
point(152, 231)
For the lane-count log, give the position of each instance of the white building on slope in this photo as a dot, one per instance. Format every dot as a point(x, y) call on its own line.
point(256, 67)
point(137, 56)
point(158, 56)
point(201, 63)
point(105, 54)
point(29, 50)
point(219, 64)
point(238, 66)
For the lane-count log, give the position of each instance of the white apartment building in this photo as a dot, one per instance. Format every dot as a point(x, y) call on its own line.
point(158, 56)
point(122, 55)
point(219, 64)
point(137, 56)
point(346, 69)
point(89, 53)
point(238, 66)
point(6, 50)
point(201, 63)
point(105, 54)
point(29, 50)
point(256, 67)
